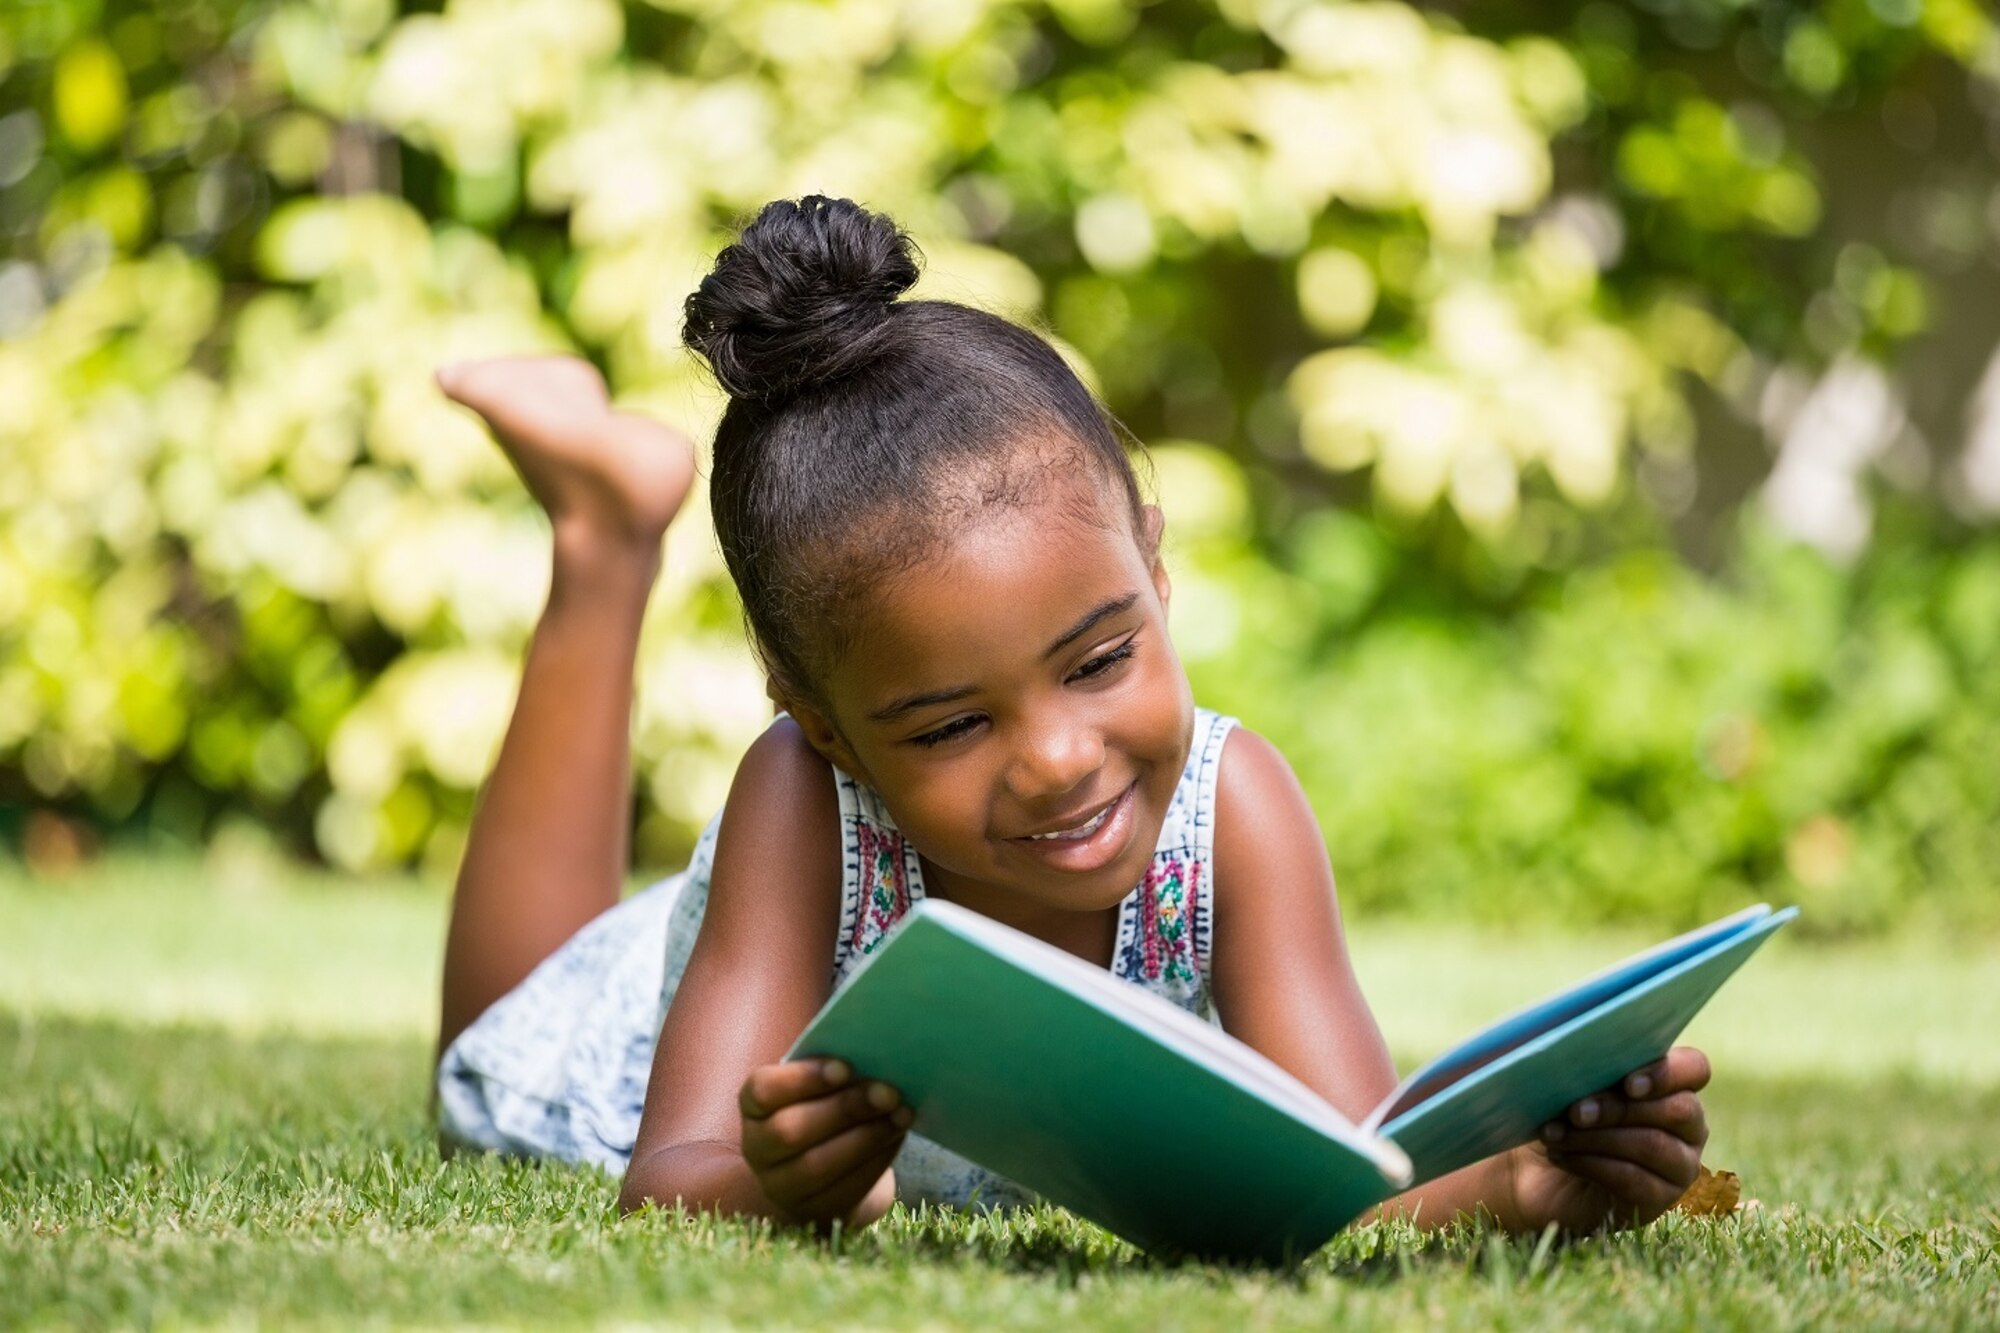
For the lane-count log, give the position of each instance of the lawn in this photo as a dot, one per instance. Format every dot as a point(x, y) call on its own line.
point(212, 1112)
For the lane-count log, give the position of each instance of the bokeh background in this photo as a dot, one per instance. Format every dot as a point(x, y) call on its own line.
point(1579, 425)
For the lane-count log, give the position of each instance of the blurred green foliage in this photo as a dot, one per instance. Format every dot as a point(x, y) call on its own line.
point(1641, 742)
point(1457, 271)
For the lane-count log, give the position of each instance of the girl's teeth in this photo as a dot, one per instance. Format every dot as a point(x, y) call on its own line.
point(1084, 830)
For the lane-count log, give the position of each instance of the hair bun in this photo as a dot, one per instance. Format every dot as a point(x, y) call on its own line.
point(801, 298)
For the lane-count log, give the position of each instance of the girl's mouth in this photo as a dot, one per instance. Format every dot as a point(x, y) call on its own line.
point(1090, 845)
point(1083, 830)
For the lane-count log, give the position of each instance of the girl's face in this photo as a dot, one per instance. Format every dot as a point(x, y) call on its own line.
point(1017, 703)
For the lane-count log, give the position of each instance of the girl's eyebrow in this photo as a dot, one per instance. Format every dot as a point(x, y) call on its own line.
point(911, 702)
point(1103, 611)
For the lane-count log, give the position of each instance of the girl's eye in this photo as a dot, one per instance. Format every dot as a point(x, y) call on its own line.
point(1105, 661)
point(951, 730)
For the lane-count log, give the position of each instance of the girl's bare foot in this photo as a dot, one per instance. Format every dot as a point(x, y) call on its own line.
point(606, 476)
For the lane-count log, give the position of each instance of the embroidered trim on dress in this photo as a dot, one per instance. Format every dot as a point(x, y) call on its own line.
point(884, 889)
point(1163, 946)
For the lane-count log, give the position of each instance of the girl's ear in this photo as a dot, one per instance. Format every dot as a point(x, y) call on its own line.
point(818, 729)
point(1153, 525)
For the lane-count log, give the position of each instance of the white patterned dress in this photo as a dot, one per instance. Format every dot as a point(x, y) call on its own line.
point(558, 1066)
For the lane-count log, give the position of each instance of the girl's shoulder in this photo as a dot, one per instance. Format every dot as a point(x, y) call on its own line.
point(782, 764)
point(781, 822)
point(1253, 775)
point(1264, 821)
point(1242, 753)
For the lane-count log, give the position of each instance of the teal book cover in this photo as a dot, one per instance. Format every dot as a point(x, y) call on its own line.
point(1128, 1110)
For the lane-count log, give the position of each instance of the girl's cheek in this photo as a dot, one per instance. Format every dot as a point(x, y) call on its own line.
point(955, 803)
point(1168, 703)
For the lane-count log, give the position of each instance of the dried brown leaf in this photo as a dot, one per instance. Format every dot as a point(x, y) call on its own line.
point(1713, 1194)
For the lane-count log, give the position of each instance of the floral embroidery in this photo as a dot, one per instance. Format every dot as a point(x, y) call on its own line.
point(885, 886)
point(1163, 946)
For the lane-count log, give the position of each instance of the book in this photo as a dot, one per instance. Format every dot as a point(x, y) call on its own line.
point(1119, 1105)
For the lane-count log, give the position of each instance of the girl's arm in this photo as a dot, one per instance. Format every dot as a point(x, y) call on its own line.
point(1285, 986)
point(728, 1124)
point(1282, 978)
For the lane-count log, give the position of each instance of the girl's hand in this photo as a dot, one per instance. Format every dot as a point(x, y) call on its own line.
point(1619, 1158)
point(600, 474)
point(820, 1142)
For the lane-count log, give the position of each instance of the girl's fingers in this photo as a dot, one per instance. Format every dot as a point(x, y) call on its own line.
point(1679, 1113)
point(1684, 1067)
point(840, 1196)
point(791, 1130)
point(772, 1086)
point(1642, 1194)
point(813, 1171)
point(1673, 1161)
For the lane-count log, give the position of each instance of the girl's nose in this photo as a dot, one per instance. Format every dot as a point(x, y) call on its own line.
point(1055, 759)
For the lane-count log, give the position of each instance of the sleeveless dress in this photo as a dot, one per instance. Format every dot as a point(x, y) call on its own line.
point(558, 1067)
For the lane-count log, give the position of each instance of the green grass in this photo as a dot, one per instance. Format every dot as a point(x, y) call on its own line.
point(212, 1112)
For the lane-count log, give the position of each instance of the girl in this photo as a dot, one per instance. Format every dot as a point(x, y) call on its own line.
point(957, 592)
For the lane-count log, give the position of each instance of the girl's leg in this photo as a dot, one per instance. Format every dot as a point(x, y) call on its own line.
point(548, 846)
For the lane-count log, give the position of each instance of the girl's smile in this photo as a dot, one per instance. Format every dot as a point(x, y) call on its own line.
point(1092, 844)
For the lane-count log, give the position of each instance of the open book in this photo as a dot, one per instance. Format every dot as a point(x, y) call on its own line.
point(1119, 1105)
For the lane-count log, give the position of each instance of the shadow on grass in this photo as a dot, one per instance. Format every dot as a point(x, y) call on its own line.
point(1044, 1239)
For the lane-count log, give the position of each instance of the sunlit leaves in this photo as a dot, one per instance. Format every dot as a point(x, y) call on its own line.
point(245, 544)
point(1723, 174)
point(440, 78)
point(1336, 292)
point(1500, 387)
point(90, 96)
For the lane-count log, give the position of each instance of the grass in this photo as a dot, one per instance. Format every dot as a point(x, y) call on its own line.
point(212, 1112)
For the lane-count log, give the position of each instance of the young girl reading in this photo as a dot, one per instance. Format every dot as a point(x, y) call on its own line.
point(957, 590)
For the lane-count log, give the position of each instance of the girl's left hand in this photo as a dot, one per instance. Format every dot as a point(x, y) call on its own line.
point(1621, 1157)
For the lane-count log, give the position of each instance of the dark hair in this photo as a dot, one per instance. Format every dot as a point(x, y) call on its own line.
point(860, 426)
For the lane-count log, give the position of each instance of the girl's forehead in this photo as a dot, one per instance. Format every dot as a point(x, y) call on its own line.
point(990, 599)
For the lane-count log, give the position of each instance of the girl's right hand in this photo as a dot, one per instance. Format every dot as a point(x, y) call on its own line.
point(821, 1142)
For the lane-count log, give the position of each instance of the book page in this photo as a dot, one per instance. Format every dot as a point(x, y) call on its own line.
point(1516, 1030)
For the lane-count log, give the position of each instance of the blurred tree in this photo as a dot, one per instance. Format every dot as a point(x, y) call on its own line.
point(1821, 179)
point(1502, 276)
